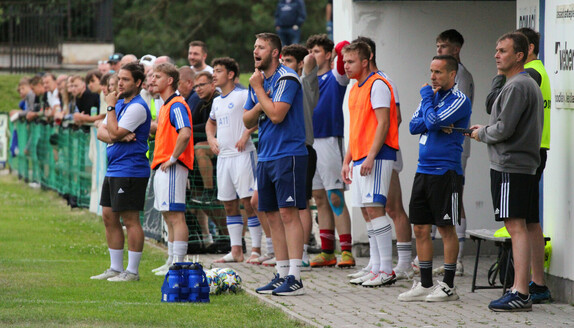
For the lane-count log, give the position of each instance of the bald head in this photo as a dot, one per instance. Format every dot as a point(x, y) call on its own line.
point(128, 59)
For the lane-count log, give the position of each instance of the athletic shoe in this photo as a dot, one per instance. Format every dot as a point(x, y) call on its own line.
point(161, 268)
point(416, 267)
point(323, 259)
point(382, 279)
point(438, 271)
point(270, 287)
point(417, 293)
point(125, 276)
point(162, 272)
point(364, 271)
point(109, 273)
point(270, 263)
point(362, 279)
point(305, 266)
point(459, 269)
point(511, 302)
point(347, 260)
point(539, 294)
point(404, 274)
point(290, 287)
point(263, 258)
point(442, 293)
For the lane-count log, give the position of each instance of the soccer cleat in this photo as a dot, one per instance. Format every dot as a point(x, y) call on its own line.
point(290, 287)
point(404, 274)
point(511, 302)
point(270, 262)
point(382, 279)
point(442, 293)
point(459, 268)
point(323, 259)
point(364, 271)
point(109, 273)
point(125, 276)
point(539, 294)
point(305, 266)
point(415, 265)
point(347, 260)
point(417, 293)
point(161, 268)
point(362, 279)
point(270, 287)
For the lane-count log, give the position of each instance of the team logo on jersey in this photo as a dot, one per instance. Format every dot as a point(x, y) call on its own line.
point(440, 104)
point(230, 105)
point(369, 195)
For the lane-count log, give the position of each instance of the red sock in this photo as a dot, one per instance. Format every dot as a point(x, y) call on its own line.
point(327, 240)
point(346, 242)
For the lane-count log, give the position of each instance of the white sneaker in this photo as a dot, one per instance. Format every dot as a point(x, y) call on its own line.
point(416, 266)
point(442, 293)
point(125, 276)
point(417, 293)
point(362, 279)
point(459, 269)
point(161, 268)
point(438, 271)
point(404, 274)
point(382, 279)
point(364, 271)
point(163, 271)
point(109, 273)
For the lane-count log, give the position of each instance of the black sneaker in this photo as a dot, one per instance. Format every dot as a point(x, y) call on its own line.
point(511, 302)
point(539, 294)
point(270, 287)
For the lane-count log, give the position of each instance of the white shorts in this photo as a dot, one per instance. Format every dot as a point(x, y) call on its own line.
point(372, 190)
point(236, 176)
point(398, 164)
point(330, 154)
point(169, 188)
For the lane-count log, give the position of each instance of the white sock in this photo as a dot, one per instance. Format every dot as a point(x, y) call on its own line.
point(305, 253)
point(295, 268)
point(375, 259)
point(433, 232)
point(134, 261)
point(461, 233)
point(179, 250)
point(383, 234)
point(404, 249)
point(269, 243)
point(235, 228)
point(282, 268)
point(169, 253)
point(255, 231)
point(116, 259)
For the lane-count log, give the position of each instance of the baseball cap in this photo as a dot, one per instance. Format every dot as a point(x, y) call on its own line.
point(115, 58)
point(148, 60)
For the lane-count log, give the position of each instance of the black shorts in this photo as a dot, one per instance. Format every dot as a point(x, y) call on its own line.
point(311, 168)
point(514, 195)
point(540, 169)
point(436, 199)
point(124, 194)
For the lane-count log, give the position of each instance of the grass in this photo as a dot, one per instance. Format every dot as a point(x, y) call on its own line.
point(9, 97)
point(48, 252)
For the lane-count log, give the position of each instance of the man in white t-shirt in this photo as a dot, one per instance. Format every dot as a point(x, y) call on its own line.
point(236, 158)
point(197, 55)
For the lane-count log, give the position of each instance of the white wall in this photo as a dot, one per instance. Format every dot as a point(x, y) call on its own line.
point(405, 33)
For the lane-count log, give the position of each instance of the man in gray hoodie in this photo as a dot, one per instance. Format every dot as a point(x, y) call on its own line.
point(513, 137)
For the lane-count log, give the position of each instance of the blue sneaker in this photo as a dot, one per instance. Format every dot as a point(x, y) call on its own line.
point(270, 287)
point(511, 302)
point(539, 294)
point(290, 287)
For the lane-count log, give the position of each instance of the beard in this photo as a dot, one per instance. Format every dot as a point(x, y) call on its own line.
point(264, 63)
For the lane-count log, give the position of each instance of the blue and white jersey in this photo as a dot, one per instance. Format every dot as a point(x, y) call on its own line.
point(178, 115)
point(328, 120)
point(227, 113)
point(440, 151)
point(288, 137)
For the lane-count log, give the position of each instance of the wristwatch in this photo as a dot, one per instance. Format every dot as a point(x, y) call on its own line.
point(111, 108)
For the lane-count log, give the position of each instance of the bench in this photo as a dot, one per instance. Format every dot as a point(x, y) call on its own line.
point(505, 246)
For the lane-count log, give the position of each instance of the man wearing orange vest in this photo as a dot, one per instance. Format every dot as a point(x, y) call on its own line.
point(373, 143)
point(173, 157)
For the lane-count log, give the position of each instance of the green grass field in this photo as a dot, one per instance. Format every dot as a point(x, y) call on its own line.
point(9, 97)
point(48, 252)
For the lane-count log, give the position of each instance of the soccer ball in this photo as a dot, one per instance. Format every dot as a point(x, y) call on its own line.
point(214, 282)
point(230, 280)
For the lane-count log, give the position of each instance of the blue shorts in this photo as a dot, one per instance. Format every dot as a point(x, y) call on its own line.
point(281, 183)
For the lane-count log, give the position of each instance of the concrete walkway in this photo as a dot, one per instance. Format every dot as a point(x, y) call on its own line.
point(330, 301)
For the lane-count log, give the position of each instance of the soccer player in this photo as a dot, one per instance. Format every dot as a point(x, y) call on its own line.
point(328, 124)
point(437, 187)
point(513, 137)
point(236, 158)
point(275, 103)
point(373, 144)
point(125, 129)
point(298, 58)
point(172, 159)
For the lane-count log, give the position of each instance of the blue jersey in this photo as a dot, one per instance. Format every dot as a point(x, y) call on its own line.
point(128, 159)
point(288, 137)
point(328, 118)
point(440, 151)
point(178, 115)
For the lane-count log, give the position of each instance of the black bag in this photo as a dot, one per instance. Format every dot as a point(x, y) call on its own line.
point(499, 268)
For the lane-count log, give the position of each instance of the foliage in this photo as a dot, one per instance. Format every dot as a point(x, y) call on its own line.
point(163, 27)
point(48, 254)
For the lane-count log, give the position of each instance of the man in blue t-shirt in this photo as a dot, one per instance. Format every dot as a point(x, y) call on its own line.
point(275, 103)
